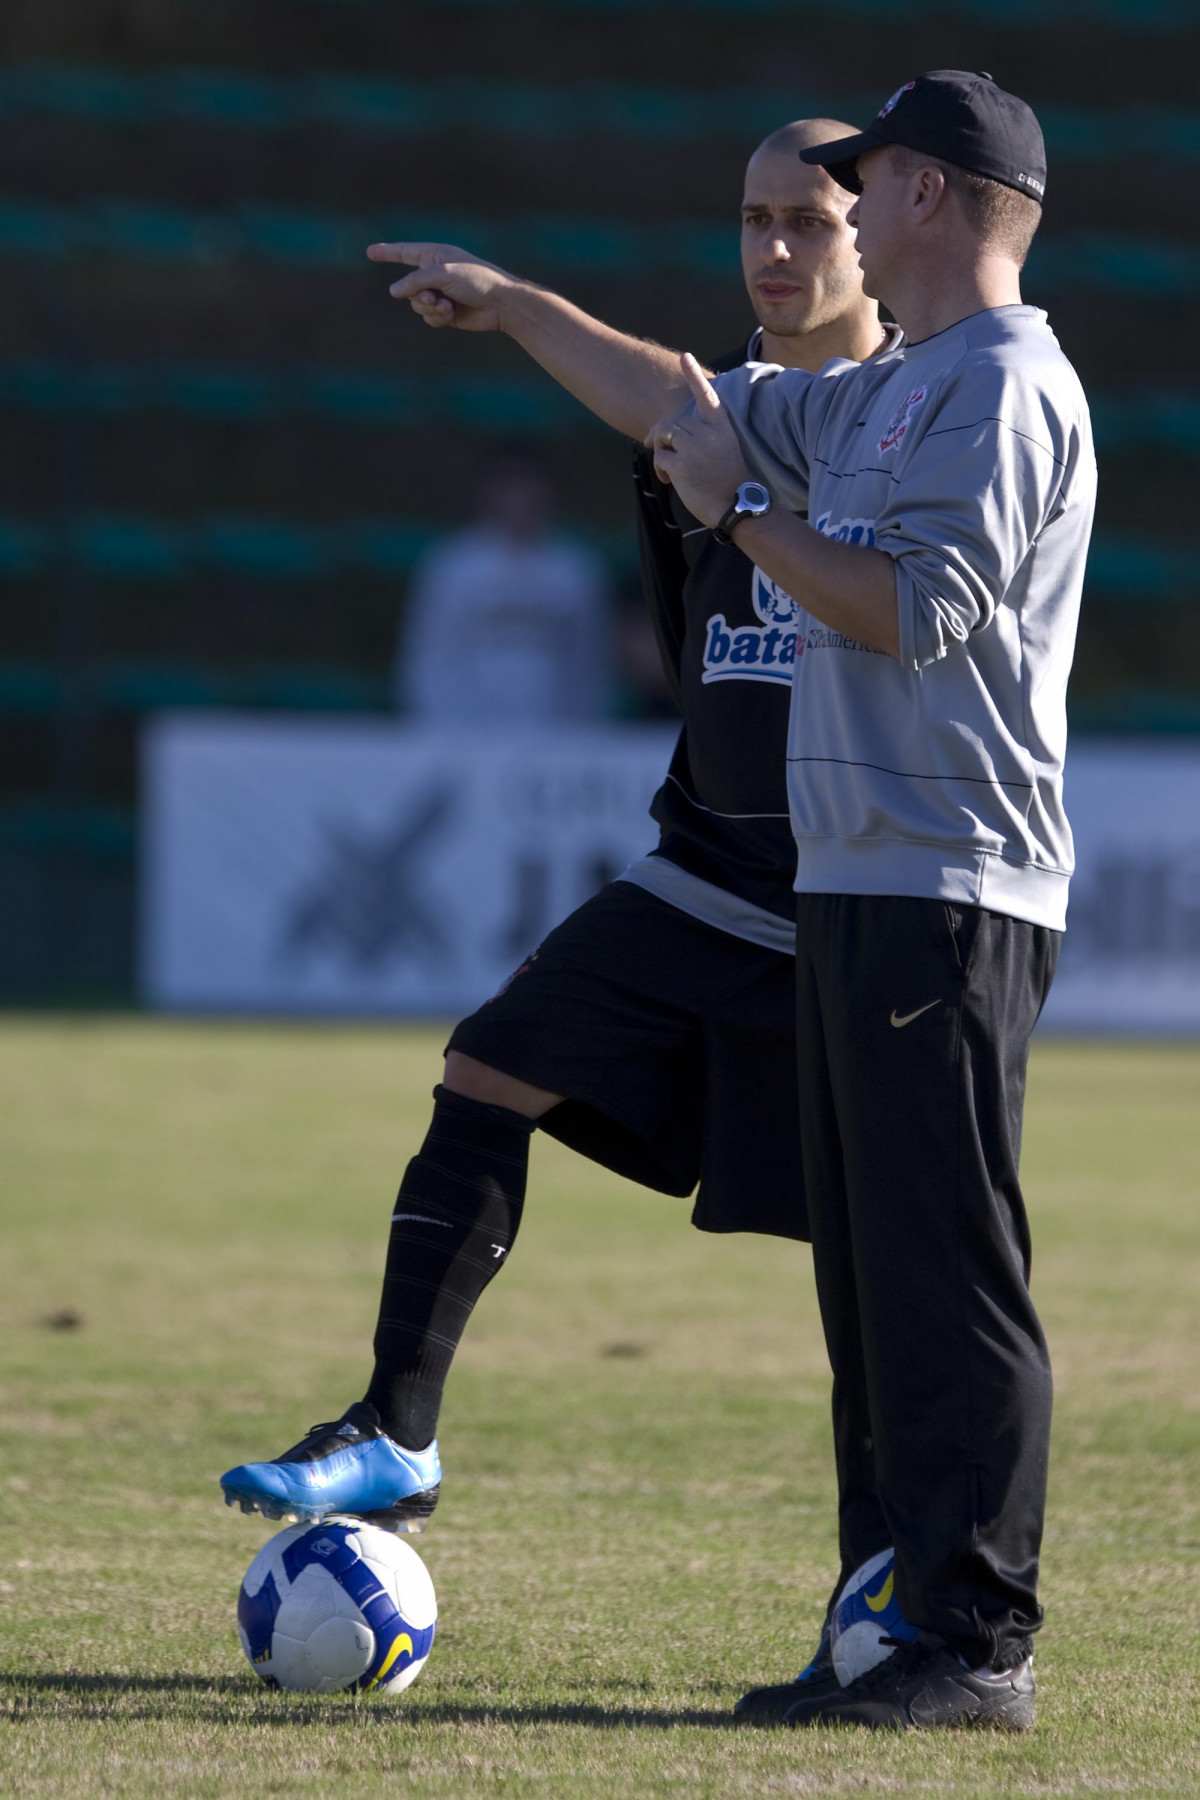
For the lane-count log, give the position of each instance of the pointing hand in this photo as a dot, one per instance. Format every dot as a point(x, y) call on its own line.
point(697, 452)
point(448, 286)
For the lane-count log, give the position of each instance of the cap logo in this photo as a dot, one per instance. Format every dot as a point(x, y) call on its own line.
point(899, 94)
point(1031, 181)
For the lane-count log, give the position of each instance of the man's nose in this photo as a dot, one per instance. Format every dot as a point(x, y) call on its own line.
point(852, 217)
point(778, 252)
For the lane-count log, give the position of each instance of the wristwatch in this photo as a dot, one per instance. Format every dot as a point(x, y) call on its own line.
point(751, 501)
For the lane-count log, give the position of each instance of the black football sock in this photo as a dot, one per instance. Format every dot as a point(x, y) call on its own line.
point(453, 1226)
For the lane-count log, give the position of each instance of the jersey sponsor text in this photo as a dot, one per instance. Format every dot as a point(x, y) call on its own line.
point(765, 652)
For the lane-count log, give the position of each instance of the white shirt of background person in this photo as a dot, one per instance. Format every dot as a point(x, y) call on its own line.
point(508, 621)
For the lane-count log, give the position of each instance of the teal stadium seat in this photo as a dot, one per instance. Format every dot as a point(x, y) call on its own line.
point(304, 238)
point(225, 100)
point(363, 397)
point(229, 451)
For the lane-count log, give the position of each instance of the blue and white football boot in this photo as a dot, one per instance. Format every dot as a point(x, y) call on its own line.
point(347, 1466)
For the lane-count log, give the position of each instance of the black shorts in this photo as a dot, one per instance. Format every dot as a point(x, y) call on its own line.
point(674, 1045)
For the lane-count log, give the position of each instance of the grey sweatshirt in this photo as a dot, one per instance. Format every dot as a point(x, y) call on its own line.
point(968, 459)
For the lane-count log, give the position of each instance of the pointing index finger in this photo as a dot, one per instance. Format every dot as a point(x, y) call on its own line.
point(706, 396)
point(396, 253)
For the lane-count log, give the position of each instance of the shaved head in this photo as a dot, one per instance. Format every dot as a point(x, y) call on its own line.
point(802, 134)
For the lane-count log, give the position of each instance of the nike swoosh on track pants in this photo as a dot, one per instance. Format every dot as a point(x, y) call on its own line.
point(913, 1022)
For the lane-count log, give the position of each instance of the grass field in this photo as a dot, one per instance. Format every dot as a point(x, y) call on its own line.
point(637, 1520)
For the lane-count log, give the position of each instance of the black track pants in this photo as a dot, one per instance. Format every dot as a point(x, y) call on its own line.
point(913, 1020)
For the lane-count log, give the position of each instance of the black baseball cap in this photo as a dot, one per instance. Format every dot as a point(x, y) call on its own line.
point(958, 116)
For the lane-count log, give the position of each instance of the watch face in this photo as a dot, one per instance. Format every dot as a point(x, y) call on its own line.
point(754, 496)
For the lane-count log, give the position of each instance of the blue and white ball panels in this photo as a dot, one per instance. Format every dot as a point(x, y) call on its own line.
point(337, 1605)
point(866, 1612)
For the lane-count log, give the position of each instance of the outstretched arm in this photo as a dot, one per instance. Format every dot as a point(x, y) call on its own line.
point(626, 381)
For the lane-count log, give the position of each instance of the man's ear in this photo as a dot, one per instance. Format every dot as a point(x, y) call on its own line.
point(931, 192)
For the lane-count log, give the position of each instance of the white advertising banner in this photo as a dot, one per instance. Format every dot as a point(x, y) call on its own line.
point(308, 866)
point(1131, 954)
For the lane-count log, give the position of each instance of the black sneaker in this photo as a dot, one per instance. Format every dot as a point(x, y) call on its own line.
point(924, 1686)
point(767, 1705)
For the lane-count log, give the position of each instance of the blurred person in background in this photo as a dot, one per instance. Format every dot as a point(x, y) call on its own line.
point(645, 691)
point(509, 621)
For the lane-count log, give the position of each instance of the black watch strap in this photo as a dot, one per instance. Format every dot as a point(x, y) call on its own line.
point(751, 501)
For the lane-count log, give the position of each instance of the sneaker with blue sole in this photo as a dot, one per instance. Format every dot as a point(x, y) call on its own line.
point(347, 1466)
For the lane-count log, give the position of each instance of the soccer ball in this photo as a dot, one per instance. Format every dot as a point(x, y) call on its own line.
point(337, 1605)
point(866, 1612)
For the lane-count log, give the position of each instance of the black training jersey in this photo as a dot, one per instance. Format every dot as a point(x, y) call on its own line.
point(727, 634)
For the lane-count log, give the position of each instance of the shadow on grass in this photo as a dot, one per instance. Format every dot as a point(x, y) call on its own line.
point(242, 1702)
point(46, 1681)
point(601, 1717)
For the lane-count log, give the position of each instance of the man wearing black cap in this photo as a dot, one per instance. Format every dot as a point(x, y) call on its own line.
point(949, 485)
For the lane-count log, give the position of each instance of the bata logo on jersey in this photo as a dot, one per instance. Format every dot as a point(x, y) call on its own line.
point(890, 105)
point(765, 652)
point(900, 422)
point(848, 531)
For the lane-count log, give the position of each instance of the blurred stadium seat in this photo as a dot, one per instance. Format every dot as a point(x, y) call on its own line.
point(226, 447)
